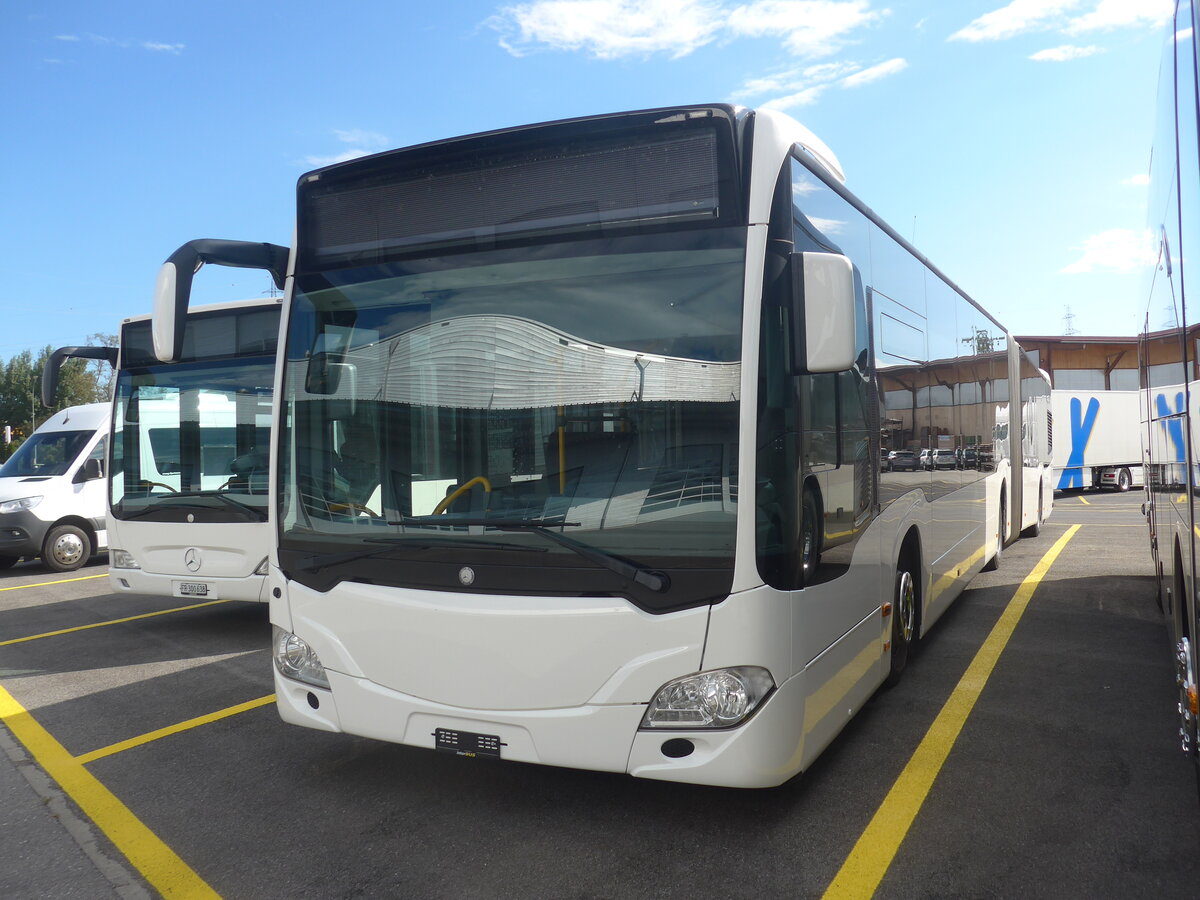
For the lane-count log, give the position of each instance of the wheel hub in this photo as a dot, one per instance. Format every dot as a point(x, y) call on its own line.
point(68, 549)
point(906, 607)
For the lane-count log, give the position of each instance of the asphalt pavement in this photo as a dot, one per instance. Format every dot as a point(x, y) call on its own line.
point(1063, 780)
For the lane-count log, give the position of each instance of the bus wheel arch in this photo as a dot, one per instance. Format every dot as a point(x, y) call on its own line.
point(1036, 528)
point(1002, 527)
point(68, 545)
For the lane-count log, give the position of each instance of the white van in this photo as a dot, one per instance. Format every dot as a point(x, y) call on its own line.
point(53, 491)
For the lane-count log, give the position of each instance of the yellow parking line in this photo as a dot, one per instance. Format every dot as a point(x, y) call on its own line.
point(150, 615)
point(156, 862)
point(85, 758)
point(1084, 502)
point(872, 855)
point(18, 587)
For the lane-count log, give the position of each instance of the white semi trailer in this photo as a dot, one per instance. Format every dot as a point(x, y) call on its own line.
point(1096, 439)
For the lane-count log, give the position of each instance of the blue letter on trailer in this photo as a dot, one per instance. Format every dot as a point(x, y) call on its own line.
point(1081, 431)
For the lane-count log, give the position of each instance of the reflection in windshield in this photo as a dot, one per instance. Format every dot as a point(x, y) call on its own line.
point(184, 450)
point(496, 402)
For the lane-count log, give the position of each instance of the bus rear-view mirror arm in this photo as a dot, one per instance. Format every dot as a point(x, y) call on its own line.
point(173, 289)
point(823, 320)
point(61, 355)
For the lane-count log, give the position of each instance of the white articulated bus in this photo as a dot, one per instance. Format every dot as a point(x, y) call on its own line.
point(1170, 364)
point(578, 447)
point(190, 450)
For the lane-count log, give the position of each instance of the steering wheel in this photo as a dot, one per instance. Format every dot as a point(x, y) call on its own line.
point(151, 484)
point(459, 491)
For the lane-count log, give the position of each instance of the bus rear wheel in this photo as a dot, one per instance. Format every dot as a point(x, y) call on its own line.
point(1124, 480)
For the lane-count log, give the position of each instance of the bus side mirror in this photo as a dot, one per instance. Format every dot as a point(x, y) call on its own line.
point(50, 371)
point(324, 373)
point(173, 288)
point(823, 317)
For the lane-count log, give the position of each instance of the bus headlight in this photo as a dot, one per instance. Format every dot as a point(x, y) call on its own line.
point(122, 559)
point(296, 660)
point(12, 506)
point(717, 699)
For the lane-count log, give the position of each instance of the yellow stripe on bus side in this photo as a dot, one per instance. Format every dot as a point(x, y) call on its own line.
point(150, 736)
point(150, 615)
point(156, 862)
point(872, 855)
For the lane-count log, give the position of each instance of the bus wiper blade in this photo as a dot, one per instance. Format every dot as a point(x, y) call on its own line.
point(496, 522)
point(159, 507)
point(650, 578)
point(259, 514)
point(391, 543)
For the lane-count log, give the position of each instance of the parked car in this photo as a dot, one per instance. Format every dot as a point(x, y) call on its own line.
point(924, 459)
point(903, 461)
point(943, 459)
point(970, 458)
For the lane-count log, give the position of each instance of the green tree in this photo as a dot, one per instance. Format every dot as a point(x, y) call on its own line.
point(21, 388)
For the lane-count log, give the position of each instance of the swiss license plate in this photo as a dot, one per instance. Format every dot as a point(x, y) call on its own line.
point(467, 743)
point(194, 589)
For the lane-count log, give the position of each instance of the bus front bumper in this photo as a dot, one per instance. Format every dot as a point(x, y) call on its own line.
point(764, 751)
point(249, 588)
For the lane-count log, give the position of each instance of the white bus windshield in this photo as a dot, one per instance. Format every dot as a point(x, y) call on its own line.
point(452, 409)
point(191, 440)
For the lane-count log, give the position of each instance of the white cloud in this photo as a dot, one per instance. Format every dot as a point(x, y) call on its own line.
point(828, 226)
point(1118, 250)
point(612, 29)
point(1017, 17)
point(1065, 53)
point(808, 27)
point(1137, 180)
point(1071, 17)
point(102, 41)
point(319, 161)
point(363, 143)
point(803, 86)
point(1110, 14)
point(805, 97)
point(609, 29)
point(360, 137)
point(875, 73)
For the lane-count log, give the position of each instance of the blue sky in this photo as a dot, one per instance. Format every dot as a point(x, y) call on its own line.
point(1009, 140)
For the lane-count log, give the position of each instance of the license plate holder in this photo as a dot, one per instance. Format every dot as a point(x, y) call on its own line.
point(195, 590)
point(467, 743)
